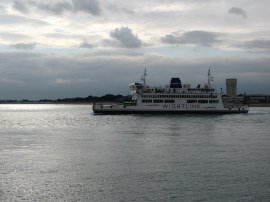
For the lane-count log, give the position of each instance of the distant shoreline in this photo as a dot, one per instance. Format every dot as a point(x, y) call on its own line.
point(68, 103)
point(90, 103)
point(76, 100)
point(254, 100)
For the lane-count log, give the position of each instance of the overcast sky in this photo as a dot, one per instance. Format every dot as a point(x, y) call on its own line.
point(75, 48)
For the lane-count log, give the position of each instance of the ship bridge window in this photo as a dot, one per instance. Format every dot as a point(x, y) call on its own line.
point(213, 101)
point(202, 101)
point(169, 101)
point(146, 96)
point(146, 101)
point(191, 101)
point(158, 101)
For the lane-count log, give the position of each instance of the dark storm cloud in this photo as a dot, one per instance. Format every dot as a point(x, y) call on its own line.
point(238, 11)
point(59, 7)
point(202, 38)
point(125, 38)
point(24, 46)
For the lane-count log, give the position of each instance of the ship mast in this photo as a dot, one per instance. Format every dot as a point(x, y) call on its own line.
point(143, 78)
point(210, 79)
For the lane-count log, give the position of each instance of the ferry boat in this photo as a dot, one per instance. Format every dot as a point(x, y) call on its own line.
point(175, 98)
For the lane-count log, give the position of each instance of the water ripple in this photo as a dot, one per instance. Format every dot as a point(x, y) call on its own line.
point(65, 153)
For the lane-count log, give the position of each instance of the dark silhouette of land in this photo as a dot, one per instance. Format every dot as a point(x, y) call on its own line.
point(77, 100)
point(254, 100)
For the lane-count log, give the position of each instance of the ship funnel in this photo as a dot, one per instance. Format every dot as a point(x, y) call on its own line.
point(175, 83)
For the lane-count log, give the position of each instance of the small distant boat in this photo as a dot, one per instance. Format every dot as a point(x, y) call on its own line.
point(175, 99)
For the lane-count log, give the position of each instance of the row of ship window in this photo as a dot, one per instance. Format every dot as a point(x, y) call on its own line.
point(178, 96)
point(173, 101)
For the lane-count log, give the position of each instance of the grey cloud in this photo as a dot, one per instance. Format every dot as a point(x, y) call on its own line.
point(13, 36)
point(45, 76)
point(261, 44)
point(111, 43)
point(57, 35)
point(125, 38)
point(55, 8)
point(36, 76)
point(20, 6)
point(238, 11)
point(24, 46)
point(88, 6)
point(119, 9)
point(85, 44)
point(202, 38)
point(13, 19)
point(59, 7)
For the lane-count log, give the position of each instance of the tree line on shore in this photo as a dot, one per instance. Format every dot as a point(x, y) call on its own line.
point(89, 99)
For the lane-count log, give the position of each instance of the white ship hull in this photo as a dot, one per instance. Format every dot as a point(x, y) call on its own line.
point(167, 109)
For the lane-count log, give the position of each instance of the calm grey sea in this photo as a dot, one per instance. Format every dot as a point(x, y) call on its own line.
point(66, 153)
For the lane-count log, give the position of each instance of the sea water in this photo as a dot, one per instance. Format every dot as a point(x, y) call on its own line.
point(66, 153)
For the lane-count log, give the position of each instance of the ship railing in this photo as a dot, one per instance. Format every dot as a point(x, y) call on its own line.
point(177, 91)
